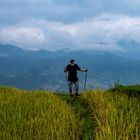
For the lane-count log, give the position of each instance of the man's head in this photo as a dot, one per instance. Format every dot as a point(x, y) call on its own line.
point(72, 61)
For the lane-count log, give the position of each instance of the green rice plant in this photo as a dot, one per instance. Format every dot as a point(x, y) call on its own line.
point(36, 115)
point(131, 91)
point(117, 116)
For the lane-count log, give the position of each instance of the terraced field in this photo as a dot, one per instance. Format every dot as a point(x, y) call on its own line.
point(42, 115)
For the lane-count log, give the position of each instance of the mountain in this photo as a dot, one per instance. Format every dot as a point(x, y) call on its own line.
point(44, 69)
point(131, 47)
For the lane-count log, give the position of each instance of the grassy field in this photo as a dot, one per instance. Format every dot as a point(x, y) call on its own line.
point(117, 115)
point(36, 115)
point(95, 115)
point(83, 110)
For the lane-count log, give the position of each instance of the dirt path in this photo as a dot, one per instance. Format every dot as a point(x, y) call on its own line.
point(83, 109)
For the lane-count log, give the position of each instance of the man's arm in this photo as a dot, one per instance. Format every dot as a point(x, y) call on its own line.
point(66, 68)
point(83, 69)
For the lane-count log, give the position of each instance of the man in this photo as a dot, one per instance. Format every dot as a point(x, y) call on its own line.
point(72, 69)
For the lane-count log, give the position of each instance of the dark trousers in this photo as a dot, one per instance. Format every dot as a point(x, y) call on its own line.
point(76, 85)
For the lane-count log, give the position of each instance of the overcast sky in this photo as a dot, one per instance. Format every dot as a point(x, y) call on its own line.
point(73, 24)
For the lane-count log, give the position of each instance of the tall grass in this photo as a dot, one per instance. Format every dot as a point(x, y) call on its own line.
point(36, 115)
point(82, 108)
point(117, 116)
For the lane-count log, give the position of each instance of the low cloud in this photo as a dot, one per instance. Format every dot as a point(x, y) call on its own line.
point(99, 33)
point(13, 11)
point(22, 36)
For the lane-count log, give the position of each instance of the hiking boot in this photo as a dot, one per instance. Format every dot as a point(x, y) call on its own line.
point(71, 95)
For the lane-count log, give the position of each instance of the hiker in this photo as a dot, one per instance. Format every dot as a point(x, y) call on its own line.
point(72, 69)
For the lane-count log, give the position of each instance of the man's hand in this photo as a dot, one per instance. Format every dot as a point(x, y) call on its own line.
point(86, 70)
point(65, 70)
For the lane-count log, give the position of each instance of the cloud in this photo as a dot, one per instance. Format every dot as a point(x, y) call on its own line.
point(98, 33)
point(23, 36)
point(14, 11)
point(134, 4)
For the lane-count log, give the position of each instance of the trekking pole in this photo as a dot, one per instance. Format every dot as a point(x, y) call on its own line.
point(85, 80)
point(66, 78)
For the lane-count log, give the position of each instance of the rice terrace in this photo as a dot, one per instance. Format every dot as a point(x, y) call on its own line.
point(113, 114)
point(69, 69)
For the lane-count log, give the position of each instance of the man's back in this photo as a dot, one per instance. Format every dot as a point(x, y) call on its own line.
point(72, 72)
point(72, 69)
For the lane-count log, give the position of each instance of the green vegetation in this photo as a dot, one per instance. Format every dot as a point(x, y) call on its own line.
point(117, 116)
point(83, 110)
point(95, 114)
point(36, 115)
point(131, 91)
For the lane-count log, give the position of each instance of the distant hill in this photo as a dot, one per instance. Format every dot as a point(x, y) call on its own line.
point(132, 49)
point(44, 69)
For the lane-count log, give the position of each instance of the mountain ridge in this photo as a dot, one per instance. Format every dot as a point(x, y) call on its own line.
point(44, 69)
